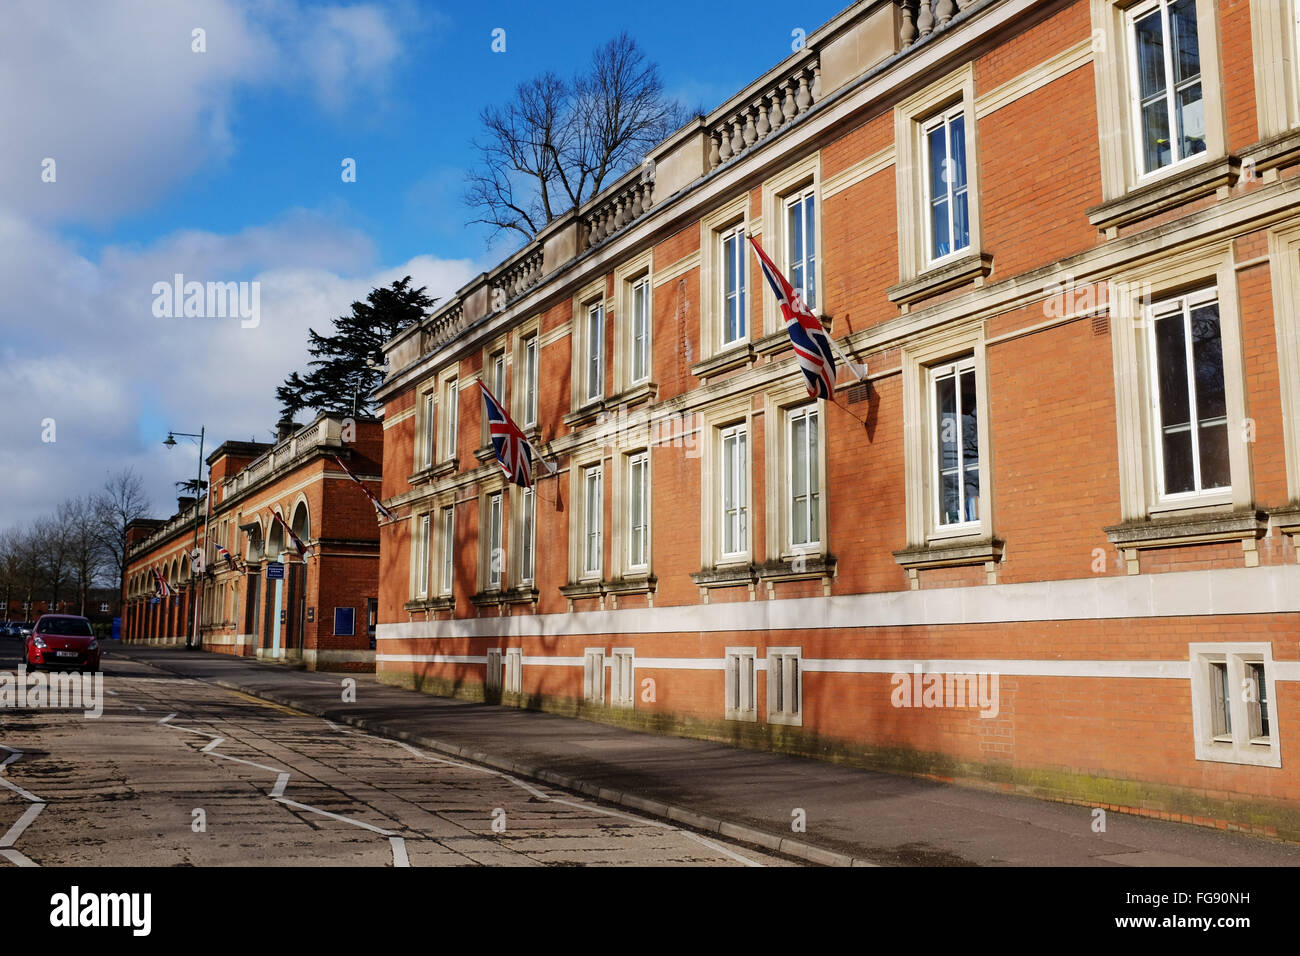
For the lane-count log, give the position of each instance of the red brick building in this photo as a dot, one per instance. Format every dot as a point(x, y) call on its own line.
point(267, 601)
point(1049, 544)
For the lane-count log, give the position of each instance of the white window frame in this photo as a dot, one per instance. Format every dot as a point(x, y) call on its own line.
point(812, 484)
point(450, 431)
point(1131, 16)
point(736, 233)
point(1130, 294)
point(954, 368)
point(1237, 746)
point(593, 675)
point(622, 691)
point(641, 326)
point(592, 524)
point(956, 91)
point(1114, 60)
point(741, 667)
point(638, 460)
point(530, 349)
point(494, 572)
point(739, 485)
point(447, 559)
point(593, 353)
point(808, 264)
point(526, 500)
point(800, 180)
point(428, 430)
point(713, 226)
point(777, 668)
point(944, 118)
point(919, 433)
point(1160, 310)
point(422, 556)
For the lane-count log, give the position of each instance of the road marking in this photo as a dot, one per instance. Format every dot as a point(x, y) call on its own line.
point(281, 782)
point(15, 831)
point(13, 856)
point(139, 708)
point(399, 851)
point(20, 791)
point(167, 718)
point(215, 741)
point(336, 816)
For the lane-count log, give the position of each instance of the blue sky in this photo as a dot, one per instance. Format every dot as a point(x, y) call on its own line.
point(225, 166)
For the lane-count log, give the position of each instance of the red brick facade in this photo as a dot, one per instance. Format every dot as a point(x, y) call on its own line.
point(1102, 607)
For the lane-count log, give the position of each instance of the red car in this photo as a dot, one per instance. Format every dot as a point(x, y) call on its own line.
point(62, 641)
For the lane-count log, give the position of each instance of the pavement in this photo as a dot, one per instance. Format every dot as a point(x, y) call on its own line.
point(794, 807)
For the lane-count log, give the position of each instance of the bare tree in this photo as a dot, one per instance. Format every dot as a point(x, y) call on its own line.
point(53, 549)
point(85, 556)
point(557, 143)
point(121, 501)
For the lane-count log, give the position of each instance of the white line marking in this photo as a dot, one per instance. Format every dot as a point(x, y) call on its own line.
point(215, 742)
point(113, 692)
point(13, 856)
point(399, 852)
point(336, 816)
point(167, 718)
point(719, 848)
point(10, 759)
point(332, 725)
point(139, 708)
point(281, 782)
point(15, 831)
point(20, 791)
point(259, 766)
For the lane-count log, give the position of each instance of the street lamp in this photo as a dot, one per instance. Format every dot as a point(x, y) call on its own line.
point(192, 637)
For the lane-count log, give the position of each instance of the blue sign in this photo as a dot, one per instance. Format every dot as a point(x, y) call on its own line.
point(344, 621)
point(275, 571)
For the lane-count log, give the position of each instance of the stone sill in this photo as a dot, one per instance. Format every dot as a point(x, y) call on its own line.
point(733, 357)
point(632, 584)
point(1134, 537)
point(634, 395)
point(949, 553)
point(507, 596)
point(1173, 190)
point(584, 415)
point(485, 452)
point(437, 471)
point(432, 604)
point(814, 566)
point(726, 577)
point(1287, 518)
point(1282, 150)
point(972, 268)
point(583, 589)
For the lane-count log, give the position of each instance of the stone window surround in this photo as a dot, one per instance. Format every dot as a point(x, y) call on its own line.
point(640, 267)
point(918, 275)
point(593, 673)
point(579, 463)
point(440, 507)
point(776, 190)
point(618, 490)
point(1284, 268)
point(778, 403)
point(519, 338)
point(628, 700)
point(732, 213)
point(1240, 750)
point(1273, 34)
point(737, 712)
point(421, 545)
point(488, 488)
point(490, 348)
point(448, 445)
point(1146, 522)
point(794, 719)
point(1120, 169)
point(737, 410)
point(516, 539)
point(592, 293)
point(928, 545)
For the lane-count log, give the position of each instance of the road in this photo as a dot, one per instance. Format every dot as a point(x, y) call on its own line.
point(178, 772)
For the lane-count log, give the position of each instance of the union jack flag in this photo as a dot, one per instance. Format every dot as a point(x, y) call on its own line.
point(379, 508)
point(164, 589)
point(514, 451)
point(297, 541)
point(812, 346)
point(230, 559)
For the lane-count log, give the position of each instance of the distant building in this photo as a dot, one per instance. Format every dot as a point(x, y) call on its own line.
point(319, 611)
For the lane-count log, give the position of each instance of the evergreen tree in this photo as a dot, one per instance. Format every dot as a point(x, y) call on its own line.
point(340, 378)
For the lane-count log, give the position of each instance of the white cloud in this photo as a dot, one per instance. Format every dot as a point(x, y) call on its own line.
point(118, 98)
point(83, 347)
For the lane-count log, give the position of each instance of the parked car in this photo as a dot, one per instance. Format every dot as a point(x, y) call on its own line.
point(62, 641)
